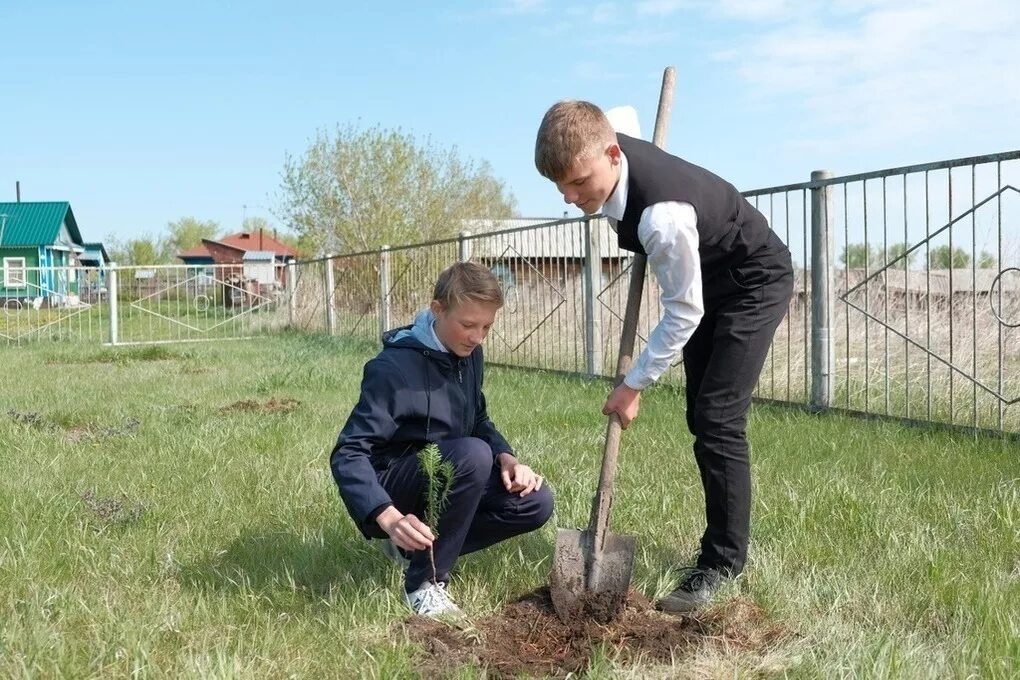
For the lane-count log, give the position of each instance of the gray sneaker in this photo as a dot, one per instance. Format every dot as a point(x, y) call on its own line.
point(694, 592)
point(395, 553)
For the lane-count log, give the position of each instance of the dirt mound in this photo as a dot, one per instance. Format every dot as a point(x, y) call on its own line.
point(274, 405)
point(527, 638)
point(106, 511)
point(77, 433)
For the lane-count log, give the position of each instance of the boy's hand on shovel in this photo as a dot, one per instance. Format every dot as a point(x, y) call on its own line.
point(625, 402)
point(406, 531)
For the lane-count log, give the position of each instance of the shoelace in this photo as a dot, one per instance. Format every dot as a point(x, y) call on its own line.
point(435, 598)
point(696, 579)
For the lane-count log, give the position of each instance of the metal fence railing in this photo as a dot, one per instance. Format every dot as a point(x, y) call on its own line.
point(126, 305)
point(53, 303)
point(907, 300)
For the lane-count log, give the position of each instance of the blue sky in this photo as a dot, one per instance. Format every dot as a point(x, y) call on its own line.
point(143, 112)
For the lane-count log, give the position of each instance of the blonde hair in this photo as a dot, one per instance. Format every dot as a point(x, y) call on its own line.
point(467, 281)
point(571, 130)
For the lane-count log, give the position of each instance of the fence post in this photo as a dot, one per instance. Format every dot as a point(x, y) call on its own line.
point(112, 295)
point(291, 292)
point(464, 246)
point(384, 290)
point(592, 322)
point(822, 354)
point(330, 285)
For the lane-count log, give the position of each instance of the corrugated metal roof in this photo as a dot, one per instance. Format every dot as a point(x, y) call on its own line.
point(95, 252)
point(259, 256)
point(37, 223)
point(486, 225)
point(563, 240)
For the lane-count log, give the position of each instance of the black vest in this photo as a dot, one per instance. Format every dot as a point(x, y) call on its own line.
point(729, 228)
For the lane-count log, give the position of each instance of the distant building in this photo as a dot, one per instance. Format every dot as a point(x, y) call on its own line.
point(40, 247)
point(248, 265)
point(231, 249)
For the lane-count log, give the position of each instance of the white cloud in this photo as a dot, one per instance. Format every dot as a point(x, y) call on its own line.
point(907, 68)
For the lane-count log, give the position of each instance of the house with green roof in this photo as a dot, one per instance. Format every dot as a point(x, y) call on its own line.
point(40, 247)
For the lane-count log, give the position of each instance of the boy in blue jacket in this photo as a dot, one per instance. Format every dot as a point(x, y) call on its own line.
point(425, 386)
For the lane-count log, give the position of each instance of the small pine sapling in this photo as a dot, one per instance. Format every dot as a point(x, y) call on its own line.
point(438, 482)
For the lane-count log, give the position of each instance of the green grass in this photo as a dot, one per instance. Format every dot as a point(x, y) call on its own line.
point(204, 542)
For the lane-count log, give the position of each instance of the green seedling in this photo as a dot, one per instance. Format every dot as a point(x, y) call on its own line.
point(438, 482)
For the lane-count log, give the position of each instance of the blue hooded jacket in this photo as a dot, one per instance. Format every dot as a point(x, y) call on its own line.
point(412, 393)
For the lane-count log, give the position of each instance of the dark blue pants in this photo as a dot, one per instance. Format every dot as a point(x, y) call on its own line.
point(479, 511)
point(722, 362)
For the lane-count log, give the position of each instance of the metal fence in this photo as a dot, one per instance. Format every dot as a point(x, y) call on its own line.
point(131, 305)
point(907, 301)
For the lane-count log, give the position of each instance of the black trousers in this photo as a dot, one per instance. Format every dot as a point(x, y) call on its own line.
point(722, 362)
point(479, 511)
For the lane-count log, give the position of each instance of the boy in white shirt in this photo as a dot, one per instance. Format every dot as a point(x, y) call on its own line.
point(726, 280)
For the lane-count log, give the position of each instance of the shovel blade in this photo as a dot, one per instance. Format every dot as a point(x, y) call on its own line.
point(568, 579)
point(584, 585)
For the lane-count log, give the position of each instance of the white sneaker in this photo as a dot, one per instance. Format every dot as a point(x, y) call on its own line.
point(433, 601)
point(392, 551)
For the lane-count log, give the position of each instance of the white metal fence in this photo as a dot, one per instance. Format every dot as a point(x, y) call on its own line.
point(128, 305)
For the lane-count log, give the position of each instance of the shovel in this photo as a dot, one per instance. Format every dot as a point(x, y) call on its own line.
point(591, 569)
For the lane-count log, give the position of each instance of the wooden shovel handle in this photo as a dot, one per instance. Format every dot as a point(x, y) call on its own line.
point(599, 521)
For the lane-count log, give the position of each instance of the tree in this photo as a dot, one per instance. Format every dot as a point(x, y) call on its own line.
point(942, 258)
point(140, 251)
point(255, 224)
point(360, 189)
point(188, 232)
point(987, 261)
point(858, 255)
point(896, 250)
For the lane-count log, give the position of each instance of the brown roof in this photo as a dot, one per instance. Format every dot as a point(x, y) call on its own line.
point(198, 251)
point(243, 241)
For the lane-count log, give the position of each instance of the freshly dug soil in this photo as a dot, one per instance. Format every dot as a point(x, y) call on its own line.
point(528, 639)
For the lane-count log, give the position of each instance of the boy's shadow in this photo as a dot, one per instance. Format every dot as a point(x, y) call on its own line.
point(290, 569)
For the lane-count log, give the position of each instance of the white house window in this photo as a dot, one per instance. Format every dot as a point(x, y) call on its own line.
point(14, 272)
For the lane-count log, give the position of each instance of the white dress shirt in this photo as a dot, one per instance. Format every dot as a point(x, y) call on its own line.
point(668, 232)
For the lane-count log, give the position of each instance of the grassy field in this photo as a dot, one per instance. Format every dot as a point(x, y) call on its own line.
point(168, 512)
